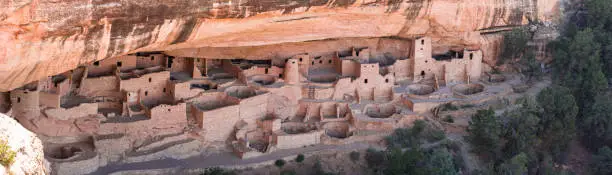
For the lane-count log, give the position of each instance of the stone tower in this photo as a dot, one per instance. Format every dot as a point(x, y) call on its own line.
point(292, 72)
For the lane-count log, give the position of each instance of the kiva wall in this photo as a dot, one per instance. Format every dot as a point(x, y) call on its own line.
point(83, 110)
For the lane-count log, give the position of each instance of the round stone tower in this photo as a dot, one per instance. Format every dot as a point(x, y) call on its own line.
point(292, 73)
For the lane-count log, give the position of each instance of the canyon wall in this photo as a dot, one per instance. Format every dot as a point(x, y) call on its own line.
point(40, 38)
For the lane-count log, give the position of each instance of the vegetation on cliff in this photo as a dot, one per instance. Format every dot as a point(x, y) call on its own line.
point(534, 138)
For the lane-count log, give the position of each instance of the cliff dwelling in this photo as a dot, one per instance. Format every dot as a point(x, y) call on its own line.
point(145, 103)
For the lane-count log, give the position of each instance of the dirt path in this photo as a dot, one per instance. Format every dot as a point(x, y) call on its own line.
point(224, 159)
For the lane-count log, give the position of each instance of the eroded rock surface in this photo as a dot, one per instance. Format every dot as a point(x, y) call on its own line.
point(30, 158)
point(46, 37)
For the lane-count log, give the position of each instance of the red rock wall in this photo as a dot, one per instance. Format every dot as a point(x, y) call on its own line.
point(47, 37)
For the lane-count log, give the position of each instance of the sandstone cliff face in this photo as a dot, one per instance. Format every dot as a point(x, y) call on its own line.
point(46, 37)
point(30, 157)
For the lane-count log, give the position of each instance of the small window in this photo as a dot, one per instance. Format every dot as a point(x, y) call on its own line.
point(365, 81)
point(25, 92)
point(119, 64)
point(164, 90)
point(422, 73)
point(55, 84)
point(422, 42)
point(266, 71)
point(312, 62)
point(168, 110)
point(198, 60)
point(330, 61)
point(300, 59)
point(286, 61)
point(149, 79)
point(97, 63)
point(387, 80)
point(293, 62)
point(280, 75)
point(152, 58)
point(320, 61)
point(425, 61)
point(471, 56)
point(18, 99)
point(146, 93)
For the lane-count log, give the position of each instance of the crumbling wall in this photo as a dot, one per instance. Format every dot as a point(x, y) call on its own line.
point(183, 91)
point(303, 61)
point(83, 110)
point(401, 69)
point(5, 102)
point(343, 87)
point(92, 87)
point(169, 116)
point(181, 64)
point(256, 70)
point(47, 85)
point(322, 62)
point(150, 61)
point(25, 103)
point(49, 99)
point(253, 108)
point(151, 87)
point(289, 141)
point(218, 124)
point(281, 106)
point(350, 68)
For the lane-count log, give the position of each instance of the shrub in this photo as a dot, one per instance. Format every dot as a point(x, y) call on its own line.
point(374, 158)
point(7, 157)
point(288, 172)
point(436, 135)
point(299, 158)
point(467, 106)
point(449, 107)
point(449, 119)
point(216, 171)
point(355, 156)
point(279, 163)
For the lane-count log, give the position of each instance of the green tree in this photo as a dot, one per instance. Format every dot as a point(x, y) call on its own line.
point(557, 119)
point(407, 162)
point(279, 163)
point(484, 133)
point(597, 122)
point(299, 158)
point(529, 67)
point(515, 43)
point(577, 66)
point(521, 129)
point(440, 161)
point(602, 161)
point(515, 166)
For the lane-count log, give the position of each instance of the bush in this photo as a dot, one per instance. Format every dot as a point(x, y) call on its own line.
point(449, 107)
point(449, 119)
point(288, 172)
point(299, 158)
point(436, 135)
point(467, 106)
point(374, 158)
point(355, 156)
point(7, 157)
point(216, 171)
point(279, 163)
